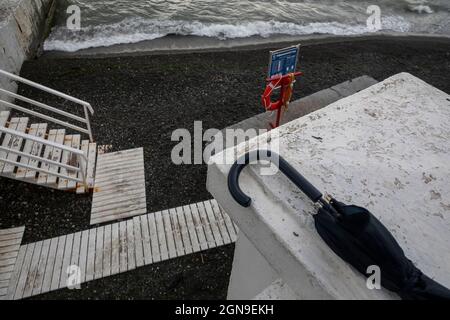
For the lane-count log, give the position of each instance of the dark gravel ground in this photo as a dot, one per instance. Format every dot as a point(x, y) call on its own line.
point(139, 100)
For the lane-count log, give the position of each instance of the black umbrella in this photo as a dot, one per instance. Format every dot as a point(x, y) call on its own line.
point(352, 232)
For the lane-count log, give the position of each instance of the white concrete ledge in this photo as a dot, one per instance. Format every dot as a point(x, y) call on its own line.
point(385, 148)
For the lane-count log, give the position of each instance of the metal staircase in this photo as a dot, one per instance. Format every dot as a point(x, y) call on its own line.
point(57, 153)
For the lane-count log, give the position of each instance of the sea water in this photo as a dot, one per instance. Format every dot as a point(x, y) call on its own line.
point(111, 22)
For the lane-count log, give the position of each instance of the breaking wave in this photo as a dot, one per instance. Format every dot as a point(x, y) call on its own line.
point(133, 30)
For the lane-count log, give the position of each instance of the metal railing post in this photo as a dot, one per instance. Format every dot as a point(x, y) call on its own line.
point(83, 173)
point(88, 123)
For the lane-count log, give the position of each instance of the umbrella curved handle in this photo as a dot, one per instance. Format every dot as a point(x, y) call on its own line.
point(293, 175)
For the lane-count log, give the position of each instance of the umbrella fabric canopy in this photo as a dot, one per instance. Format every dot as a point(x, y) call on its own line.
point(352, 232)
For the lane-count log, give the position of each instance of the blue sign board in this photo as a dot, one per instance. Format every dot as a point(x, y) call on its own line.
point(283, 61)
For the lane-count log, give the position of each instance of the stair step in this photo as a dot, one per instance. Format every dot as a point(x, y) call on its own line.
point(11, 142)
point(73, 161)
point(21, 172)
point(23, 150)
point(56, 154)
point(42, 177)
point(15, 144)
point(6, 140)
point(28, 147)
point(33, 148)
point(62, 183)
point(36, 150)
point(90, 150)
point(4, 116)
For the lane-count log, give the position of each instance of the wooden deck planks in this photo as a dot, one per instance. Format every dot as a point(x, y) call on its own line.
point(156, 255)
point(138, 242)
point(10, 240)
point(24, 270)
point(219, 219)
point(162, 239)
point(90, 261)
point(170, 240)
point(58, 263)
point(203, 244)
point(146, 242)
point(123, 252)
point(31, 277)
point(40, 272)
point(193, 237)
point(206, 225)
point(119, 189)
point(176, 232)
point(131, 251)
point(16, 273)
point(98, 265)
point(84, 247)
point(107, 250)
point(48, 275)
point(66, 260)
point(206, 206)
point(114, 248)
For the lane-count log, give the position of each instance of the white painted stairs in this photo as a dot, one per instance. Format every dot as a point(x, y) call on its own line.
point(57, 149)
point(23, 164)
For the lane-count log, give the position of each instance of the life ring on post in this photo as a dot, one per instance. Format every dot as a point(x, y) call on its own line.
point(286, 83)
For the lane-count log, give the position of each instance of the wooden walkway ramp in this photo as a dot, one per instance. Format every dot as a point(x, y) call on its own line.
point(119, 247)
point(10, 240)
point(119, 190)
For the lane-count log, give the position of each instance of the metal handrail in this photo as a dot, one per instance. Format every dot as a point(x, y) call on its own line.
point(47, 89)
point(81, 157)
point(42, 105)
point(45, 117)
point(86, 106)
point(22, 165)
point(43, 141)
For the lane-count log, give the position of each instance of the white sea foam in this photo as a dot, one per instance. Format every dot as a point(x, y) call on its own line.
point(134, 30)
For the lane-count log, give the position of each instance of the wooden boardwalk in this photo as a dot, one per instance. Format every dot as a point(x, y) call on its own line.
point(119, 247)
point(10, 240)
point(119, 190)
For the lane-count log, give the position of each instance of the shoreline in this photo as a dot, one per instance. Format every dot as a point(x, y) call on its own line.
point(174, 44)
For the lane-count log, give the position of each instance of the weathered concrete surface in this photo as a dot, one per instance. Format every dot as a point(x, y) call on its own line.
point(277, 290)
point(385, 148)
point(244, 283)
point(22, 23)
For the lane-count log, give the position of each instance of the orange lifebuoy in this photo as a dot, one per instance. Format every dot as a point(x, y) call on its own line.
point(286, 83)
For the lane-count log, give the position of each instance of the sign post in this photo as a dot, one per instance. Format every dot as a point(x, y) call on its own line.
point(281, 74)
